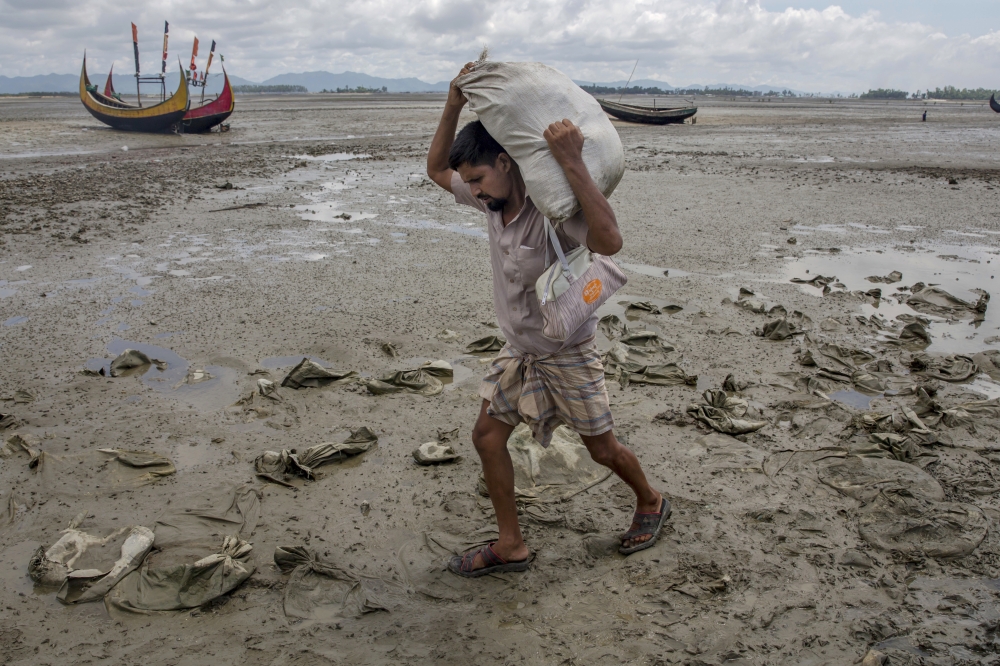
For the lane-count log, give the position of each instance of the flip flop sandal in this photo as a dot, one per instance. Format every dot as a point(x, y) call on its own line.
point(493, 563)
point(649, 523)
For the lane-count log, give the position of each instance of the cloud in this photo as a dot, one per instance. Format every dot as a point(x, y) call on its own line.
point(678, 41)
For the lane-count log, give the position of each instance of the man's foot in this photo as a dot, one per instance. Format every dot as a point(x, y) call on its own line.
point(489, 559)
point(646, 525)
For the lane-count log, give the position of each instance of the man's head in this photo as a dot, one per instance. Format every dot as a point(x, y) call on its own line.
point(484, 165)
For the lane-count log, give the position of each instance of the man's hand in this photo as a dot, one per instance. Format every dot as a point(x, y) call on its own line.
point(437, 157)
point(565, 142)
point(455, 96)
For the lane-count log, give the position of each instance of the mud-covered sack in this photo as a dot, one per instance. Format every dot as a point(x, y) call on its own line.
point(517, 101)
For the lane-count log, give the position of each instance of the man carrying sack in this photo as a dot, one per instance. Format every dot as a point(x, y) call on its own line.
point(535, 379)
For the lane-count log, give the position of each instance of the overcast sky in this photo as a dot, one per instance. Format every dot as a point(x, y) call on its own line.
point(810, 45)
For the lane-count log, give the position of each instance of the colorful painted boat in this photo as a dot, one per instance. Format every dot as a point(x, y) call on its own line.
point(110, 111)
point(203, 118)
point(646, 114)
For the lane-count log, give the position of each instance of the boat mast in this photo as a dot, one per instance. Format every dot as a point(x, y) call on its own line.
point(629, 79)
point(135, 47)
point(163, 66)
point(204, 77)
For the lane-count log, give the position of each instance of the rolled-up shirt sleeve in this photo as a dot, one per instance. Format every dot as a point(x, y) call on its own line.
point(463, 193)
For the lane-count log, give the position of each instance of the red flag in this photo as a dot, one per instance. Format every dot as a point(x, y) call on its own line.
point(135, 47)
point(194, 54)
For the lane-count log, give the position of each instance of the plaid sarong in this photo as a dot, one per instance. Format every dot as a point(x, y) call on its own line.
point(565, 387)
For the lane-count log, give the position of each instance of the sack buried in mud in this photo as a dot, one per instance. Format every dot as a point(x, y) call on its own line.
point(891, 278)
point(179, 578)
point(551, 474)
point(901, 522)
point(101, 471)
point(864, 478)
point(421, 381)
point(517, 101)
point(491, 343)
point(320, 589)
point(274, 465)
point(725, 413)
point(86, 567)
point(132, 361)
point(937, 301)
point(433, 453)
point(19, 442)
point(947, 368)
point(309, 374)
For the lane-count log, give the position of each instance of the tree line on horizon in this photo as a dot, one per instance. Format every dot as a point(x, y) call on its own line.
point(946, 93)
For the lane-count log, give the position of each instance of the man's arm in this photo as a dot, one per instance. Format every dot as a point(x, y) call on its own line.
point(437, 157)
point(566, 143)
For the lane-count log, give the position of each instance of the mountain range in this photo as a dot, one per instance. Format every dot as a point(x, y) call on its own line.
point(313, 81)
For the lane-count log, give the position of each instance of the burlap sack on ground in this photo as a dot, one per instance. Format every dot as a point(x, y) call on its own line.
point(517, 101)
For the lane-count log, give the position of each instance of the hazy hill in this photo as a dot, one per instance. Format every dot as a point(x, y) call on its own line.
point(313, 81)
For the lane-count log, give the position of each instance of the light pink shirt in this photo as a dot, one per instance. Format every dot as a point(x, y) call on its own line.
point(518, 255)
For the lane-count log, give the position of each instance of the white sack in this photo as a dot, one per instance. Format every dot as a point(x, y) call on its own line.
point(517, 101)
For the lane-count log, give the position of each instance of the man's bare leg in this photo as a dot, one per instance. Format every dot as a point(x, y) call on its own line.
point(606, 450)
point(490, 439)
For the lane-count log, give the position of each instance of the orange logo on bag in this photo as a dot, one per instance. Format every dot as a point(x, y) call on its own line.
point(592, 291)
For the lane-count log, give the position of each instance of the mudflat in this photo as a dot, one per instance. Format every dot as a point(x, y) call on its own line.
point(829, 444)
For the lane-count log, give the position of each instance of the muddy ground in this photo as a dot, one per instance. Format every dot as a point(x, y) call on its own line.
point(332, 242)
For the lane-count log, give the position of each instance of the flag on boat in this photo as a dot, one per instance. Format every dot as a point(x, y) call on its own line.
point(135, 46)
point(194, 54)
point(211, 54)
point(166, 31)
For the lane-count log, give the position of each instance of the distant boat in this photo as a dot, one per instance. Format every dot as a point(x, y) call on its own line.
point(994, 104)
point(110, 111)
point(645, 114)
point(208, 115)
point(198, 118)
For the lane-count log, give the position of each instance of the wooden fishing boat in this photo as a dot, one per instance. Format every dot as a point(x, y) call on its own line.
point(128, 117)
point(994, 104)
point(199, 118)
point(646, 114)
point(203, 118)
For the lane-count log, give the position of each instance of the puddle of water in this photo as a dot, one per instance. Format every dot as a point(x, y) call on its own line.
point(14, 321)
point(938, 266)
point(106, 311)
point(277, 362)
point(136, 304)
point(122, 327)
point(330, 157)
point(82, 282)
point(853, 398)
point(23, 268)
point(210, 395)
point(179, 273)
point(139, 291)
point(983, 384)
point(102, 321)
point(160, 336)
point(6, 293)
point(313, 256)
point(330, 212)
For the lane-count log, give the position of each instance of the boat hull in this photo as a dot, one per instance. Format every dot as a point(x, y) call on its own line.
point(157, 118)
point(207, 116)
point(994, 104)
point(647, 116)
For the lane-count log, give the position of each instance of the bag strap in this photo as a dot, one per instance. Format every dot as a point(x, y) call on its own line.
point(557, 246)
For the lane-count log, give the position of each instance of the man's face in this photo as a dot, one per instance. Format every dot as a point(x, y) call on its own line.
point(490, 184)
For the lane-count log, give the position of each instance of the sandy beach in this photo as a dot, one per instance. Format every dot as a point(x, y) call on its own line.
point(310, 230)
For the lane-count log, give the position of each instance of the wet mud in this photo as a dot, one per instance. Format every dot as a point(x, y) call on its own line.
point(830, 452)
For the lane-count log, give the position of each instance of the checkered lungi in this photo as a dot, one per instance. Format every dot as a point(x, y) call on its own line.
point(565, 387)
